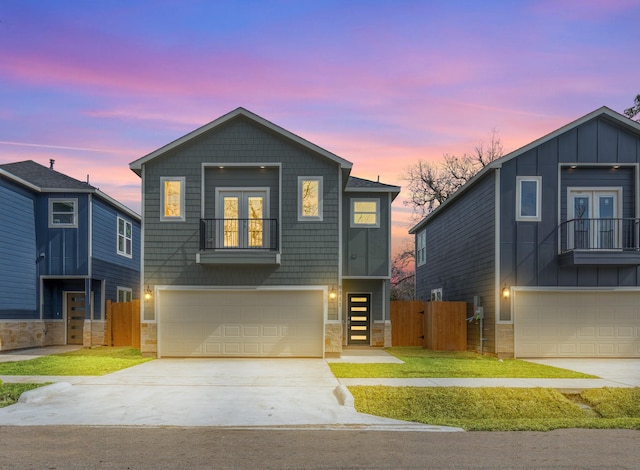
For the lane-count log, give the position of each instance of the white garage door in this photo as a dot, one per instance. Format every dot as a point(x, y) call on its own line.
point(241, 323)
point(577, 324)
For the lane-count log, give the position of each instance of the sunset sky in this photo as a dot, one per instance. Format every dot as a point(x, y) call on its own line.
point(98, 84)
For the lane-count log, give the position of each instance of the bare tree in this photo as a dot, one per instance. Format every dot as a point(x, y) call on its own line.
point(403, 273)
point(430, 184)
point(634, 110)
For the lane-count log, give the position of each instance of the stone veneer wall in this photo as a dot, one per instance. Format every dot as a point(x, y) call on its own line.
point(381, 334)
point(93, 333)
point(149, 339)
point(21, 334)
point(54, 332)
point(332, 339)
point(504, 340)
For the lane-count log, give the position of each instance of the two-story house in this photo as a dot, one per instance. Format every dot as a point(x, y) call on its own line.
point(544, 245)
point(65, 248)
point(259, 243)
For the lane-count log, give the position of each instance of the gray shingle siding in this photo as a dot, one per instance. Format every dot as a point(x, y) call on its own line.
point(309, 249)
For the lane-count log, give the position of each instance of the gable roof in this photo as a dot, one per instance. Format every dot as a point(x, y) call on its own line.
point(46, 179)
point(41, 179)
point(603, 111)
point(366, 186)
point(136, 166)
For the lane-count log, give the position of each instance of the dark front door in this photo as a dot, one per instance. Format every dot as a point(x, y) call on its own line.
point(76, 307)
point(359, 319)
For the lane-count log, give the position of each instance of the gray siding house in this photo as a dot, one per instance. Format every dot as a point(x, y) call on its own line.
point(544, 245)
point(257, 242)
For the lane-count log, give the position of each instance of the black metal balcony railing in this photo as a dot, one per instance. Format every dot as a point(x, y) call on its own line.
point(239, 234)
point(600, 235)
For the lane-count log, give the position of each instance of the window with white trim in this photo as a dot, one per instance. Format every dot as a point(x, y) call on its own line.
point(436, 295)
point(528, 198)
point(124, 294)
point(172, 199)
point(365, 213)
point(63, 213)
point(125, 237)
point(421, 248)
point(310, 198)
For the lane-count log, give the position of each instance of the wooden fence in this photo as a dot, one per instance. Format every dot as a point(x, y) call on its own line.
point(123, 324)
point(407, 322)
point(432, 325)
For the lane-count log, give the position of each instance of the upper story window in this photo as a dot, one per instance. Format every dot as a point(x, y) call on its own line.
point(528, 198)
point(310, 198)
point(63, 213)
point(124, 237)
point(365, 213)
point(436, 295)
point(421, 248)
point(172, 198)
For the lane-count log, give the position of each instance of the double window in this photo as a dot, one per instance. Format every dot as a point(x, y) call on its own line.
point(124, 237)
point(124, 294)
point(63, 213)
point(309, 198)
point(365, 213)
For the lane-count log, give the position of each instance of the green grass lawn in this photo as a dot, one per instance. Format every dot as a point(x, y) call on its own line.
point(86, 361)
point(10, 393)
point(503, 409)
point(419, 362)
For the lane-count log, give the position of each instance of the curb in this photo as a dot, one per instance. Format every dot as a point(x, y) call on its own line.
point(42, 393)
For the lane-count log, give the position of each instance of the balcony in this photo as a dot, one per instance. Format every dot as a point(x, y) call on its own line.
point(598, 242)
point(239, 242)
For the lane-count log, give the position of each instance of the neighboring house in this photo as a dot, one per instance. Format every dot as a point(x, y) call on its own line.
point(546, 240)
point(65, 248)
point(259, 243)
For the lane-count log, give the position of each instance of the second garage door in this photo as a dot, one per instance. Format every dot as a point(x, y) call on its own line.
point(209, 323)
point(577, 324)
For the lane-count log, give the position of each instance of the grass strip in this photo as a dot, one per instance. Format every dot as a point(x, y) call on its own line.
point(10, 393)
point(490, 408)
point(86, 361)
point(424, 363)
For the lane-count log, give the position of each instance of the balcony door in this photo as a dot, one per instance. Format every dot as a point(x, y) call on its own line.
point(596, 218)
point(241, 217)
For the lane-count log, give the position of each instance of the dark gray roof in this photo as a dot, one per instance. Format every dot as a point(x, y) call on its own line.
point(44, 177)
point(359, 183)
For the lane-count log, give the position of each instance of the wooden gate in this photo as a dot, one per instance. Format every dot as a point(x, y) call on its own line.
point(407, 318)
point(123, 324)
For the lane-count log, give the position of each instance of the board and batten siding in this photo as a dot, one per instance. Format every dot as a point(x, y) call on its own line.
point(309, 251)
point(529, 250)
point(18, 275)
point(366, 249)
point(460, 255)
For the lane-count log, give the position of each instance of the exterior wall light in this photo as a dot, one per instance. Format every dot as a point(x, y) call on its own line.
point(506, 292)
point(333, 294)
point(147, 293)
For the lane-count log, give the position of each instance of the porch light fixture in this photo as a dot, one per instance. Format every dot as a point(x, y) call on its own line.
point(147, 293)
point(332, 294)
point(506, 292)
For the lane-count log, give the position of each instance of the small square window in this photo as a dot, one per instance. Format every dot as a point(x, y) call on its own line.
point(124, 238)
point(365, 213)
point(63, 213)
point(172, 199)
point(310, 198)
point(528, 198)
point(124, 294)
point(436, 295)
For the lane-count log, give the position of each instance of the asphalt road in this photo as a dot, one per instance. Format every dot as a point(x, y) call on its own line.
point(77, 447)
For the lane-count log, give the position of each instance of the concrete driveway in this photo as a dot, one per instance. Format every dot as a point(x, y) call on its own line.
point(203, 392)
